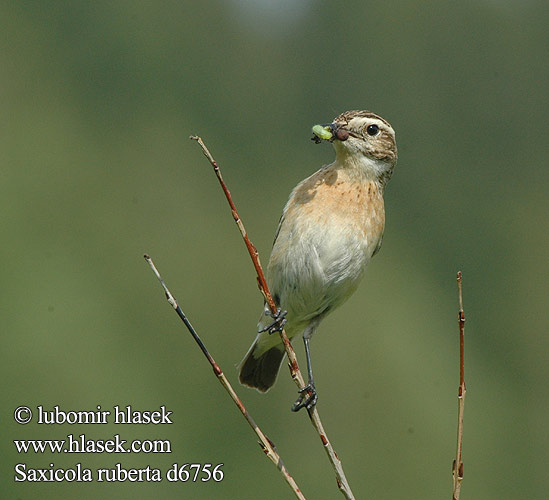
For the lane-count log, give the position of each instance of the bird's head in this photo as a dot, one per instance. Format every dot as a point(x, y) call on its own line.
point(362, 137)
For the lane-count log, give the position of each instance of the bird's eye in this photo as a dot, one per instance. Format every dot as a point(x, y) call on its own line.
point(372, 129)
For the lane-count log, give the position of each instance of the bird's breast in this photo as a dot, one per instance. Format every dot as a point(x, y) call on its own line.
point(339, 208)
point(330, 229)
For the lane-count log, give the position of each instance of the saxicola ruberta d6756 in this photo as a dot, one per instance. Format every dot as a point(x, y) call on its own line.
point(330, 228)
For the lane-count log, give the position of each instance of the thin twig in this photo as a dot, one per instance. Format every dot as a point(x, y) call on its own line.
point(266, 445)
point(457, 469)
point(295, 372)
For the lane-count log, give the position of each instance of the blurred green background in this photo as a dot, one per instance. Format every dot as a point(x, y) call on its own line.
point(98, 100)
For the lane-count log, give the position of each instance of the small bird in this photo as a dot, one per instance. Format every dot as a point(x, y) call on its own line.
point(331, 226)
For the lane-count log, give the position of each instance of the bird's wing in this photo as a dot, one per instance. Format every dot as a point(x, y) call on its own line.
point(280, 222)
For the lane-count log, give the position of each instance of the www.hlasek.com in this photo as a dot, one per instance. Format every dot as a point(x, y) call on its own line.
point(80, 444)
point(83, 445)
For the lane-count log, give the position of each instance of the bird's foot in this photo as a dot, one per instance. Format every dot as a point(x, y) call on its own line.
point(278, 324)
point(307, 398)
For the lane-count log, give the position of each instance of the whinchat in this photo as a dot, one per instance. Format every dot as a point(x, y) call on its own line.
point(331, 226)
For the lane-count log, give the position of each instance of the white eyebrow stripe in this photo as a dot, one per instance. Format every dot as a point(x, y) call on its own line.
point(359, 122)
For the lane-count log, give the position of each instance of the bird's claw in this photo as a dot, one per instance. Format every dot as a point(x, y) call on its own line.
point(307, 398)
point(278, 324)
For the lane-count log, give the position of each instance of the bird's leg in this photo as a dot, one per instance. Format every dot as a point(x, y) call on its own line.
point(279, 321)
point(307, 396)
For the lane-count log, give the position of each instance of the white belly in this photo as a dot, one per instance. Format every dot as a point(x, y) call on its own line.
point(317, 270)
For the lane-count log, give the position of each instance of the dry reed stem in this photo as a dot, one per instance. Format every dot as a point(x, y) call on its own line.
point(266, 445)
point(457, 469)
point(295, 372)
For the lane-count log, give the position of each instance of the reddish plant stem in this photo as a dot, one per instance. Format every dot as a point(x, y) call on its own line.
point(295, 372)
point(266, 444)
point(457, 469)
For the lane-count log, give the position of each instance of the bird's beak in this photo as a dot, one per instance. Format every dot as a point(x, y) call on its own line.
point(329, 132)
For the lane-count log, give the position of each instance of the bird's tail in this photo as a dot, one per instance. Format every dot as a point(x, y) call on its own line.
point(259, 367)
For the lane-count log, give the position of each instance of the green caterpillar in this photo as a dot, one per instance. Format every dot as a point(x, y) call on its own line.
point(322, 132)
